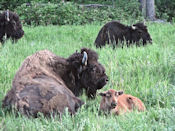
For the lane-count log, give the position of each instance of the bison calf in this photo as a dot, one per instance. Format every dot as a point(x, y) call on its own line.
point(113, 32)
point(118, 103)
point(10, 26)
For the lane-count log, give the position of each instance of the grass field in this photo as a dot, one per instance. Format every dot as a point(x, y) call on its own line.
point(146, 72)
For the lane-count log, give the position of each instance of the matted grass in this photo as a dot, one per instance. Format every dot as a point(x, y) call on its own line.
point(146, 72)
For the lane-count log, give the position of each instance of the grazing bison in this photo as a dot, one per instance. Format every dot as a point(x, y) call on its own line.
point(118, 103)
point(10, 26)
point(113, 32)
point(48, 83)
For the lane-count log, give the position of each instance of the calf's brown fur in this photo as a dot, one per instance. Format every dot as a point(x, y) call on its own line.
point(116, 102)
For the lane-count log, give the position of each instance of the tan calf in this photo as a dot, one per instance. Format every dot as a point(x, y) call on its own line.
point(118, 103)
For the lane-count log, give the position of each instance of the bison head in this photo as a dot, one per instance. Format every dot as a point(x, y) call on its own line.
point(92, 76)
point(12, 25)
point(89, 73)
point(139, 32)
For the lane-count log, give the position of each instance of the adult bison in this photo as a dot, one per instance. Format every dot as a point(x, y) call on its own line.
point(10, 26)
point(48, 83)
point(113, 32)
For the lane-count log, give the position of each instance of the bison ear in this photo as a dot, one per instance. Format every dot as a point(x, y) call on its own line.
point(102, 94)
point(120, 92)
point(85, 58)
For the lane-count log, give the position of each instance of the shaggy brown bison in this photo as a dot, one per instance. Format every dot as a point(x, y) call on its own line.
point(48, 83)
point(118, 103)
point(113, 32)
point(10, 26)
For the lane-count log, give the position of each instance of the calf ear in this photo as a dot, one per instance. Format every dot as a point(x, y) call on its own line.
point(129, 100)
point(120, 92)
point(102, 94)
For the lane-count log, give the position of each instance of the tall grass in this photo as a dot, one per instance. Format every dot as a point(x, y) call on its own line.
point(146, 72)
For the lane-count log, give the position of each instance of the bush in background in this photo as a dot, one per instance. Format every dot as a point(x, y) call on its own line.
point(55, 12)
point(11, 4)
point(38, 13)
point(166, 9)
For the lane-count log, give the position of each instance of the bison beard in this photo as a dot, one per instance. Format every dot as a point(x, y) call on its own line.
point(48, 83)
point(10, 26)
point(113, 32)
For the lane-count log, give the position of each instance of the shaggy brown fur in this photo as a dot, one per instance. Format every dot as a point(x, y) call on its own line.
point(118, 103)
point(43, 81)
point(113, 32)
point(10, 26)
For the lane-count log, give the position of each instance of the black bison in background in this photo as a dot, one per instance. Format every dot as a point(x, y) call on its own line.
point(48, 83)
point(10, 26)
point(113, 32)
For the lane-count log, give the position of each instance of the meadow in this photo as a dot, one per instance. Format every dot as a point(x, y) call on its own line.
point(146, 72)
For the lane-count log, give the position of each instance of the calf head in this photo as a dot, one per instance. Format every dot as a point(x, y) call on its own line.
point(89, 73)
point(139, 32)
point(109, 99)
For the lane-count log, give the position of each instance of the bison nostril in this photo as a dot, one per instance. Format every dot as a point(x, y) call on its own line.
point(113, 105)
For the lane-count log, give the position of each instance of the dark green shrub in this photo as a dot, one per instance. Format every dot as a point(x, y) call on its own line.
point(38, 13)
point(11, 4)
point(165, 9)
point(124, 9)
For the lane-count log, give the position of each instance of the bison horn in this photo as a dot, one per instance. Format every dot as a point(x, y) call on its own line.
point(7, 15)
point(133, 27)
point(85, 58)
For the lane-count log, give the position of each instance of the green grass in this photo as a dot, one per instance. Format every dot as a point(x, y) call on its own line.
point(146, 72)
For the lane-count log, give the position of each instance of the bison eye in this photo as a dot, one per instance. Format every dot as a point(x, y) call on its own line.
point(140, 32)
point(93, 68)
point(14, 23)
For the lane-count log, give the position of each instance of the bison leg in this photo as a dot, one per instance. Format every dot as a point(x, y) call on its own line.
point(1, 39)
point(14, 41)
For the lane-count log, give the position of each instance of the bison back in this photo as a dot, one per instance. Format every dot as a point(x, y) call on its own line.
point(127, 103)
point(43, 94)
point(111, 32)
point(37, 88)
